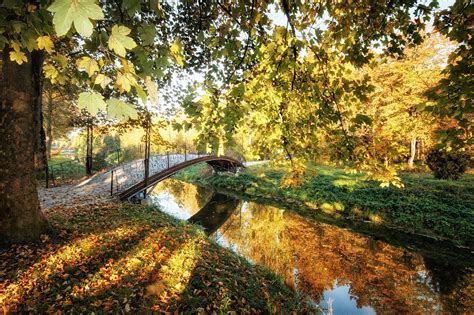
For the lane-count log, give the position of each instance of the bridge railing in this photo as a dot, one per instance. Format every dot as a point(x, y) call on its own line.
point(127, 175)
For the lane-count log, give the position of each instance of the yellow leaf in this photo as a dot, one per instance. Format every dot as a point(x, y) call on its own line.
point(127, 66)
point(50, 72)
point(45, 42)
point(125, 81)
point(15, 46)
point(61, 59)
point(176, 50)
point(152, 90)
point(119, 41)
point(18, 56)
point(102, 80)
point(31, 8)
point(120, 110)
point(89, 65)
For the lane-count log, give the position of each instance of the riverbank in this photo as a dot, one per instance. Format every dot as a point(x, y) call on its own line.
point(430, 208)
point(132, 258)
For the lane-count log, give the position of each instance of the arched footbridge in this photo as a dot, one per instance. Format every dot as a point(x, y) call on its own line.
point(129, 180)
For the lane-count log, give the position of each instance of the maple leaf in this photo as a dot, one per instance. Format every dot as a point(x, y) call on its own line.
point(152, 90)
point(176, 50)
point(50, 72)
point(18, 56)
point(120, 110)
point(102, 80)
point(92, 102)
point(79, 12)
point(45, 42)
point(119, 41)
point(89, 65)
point(125, 81)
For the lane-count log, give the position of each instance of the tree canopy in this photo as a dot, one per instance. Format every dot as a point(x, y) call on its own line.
point(294, 64)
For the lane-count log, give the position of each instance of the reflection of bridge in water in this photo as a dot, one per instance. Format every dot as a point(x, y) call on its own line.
point(131, 179)
point(215, 213)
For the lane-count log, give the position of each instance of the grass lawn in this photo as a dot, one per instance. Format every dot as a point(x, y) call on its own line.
point(56, 159)
point(133, 259)
point(438, 208)
point(65, 168)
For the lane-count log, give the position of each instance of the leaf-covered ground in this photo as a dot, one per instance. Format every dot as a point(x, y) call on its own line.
point(108, 257)
point(441, 209)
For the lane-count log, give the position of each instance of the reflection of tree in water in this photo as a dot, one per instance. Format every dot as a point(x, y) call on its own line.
point(455, 283)
point(187, 195)
point(387, 278)
point(259, 233)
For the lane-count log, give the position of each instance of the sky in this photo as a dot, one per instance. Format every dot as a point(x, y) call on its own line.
point(279, 17)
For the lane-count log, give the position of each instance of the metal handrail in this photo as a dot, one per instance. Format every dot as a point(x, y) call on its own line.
point(128, 174)
point(219, 163)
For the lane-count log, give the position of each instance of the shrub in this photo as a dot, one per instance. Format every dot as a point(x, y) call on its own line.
point(447, 165)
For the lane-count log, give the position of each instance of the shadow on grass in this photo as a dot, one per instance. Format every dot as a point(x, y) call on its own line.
point(133, 259)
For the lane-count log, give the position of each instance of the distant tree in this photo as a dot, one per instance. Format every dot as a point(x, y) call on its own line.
point(398, 123)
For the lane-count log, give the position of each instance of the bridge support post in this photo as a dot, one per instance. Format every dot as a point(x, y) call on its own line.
point(147, 149)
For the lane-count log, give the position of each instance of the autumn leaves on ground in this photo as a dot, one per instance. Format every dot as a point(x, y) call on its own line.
point(104, 256)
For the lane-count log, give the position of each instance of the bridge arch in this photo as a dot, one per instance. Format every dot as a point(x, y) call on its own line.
point(218, 163)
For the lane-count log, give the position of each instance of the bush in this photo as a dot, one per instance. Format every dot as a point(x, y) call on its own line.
point(447, 165)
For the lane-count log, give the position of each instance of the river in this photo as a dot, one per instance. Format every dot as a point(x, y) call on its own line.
point(336, 270)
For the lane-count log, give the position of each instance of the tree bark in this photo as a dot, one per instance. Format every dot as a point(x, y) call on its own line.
point(411, 159)
point(90, 138)
point(49, 123)
point(21, 219)
point(41, 156)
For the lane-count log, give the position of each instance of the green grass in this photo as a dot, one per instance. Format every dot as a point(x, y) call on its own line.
point(437, 208)
point(64, 168)
point(134, 259)
point(56, 159)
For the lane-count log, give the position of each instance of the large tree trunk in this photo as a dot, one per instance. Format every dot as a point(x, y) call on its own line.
point(411, 159)
point(21, 219)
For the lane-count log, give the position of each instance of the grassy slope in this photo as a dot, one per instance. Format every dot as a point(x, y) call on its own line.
point(439, 208)
point(73, 169)
point(132, 258)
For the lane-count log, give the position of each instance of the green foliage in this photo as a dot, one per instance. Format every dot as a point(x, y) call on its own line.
point(299, 78)
point(454, 94)
point(79, 12)
point(120, 110)
point(93, 102)
point(447, 165)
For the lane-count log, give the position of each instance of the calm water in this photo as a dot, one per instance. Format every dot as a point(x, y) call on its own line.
point(338, 270)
